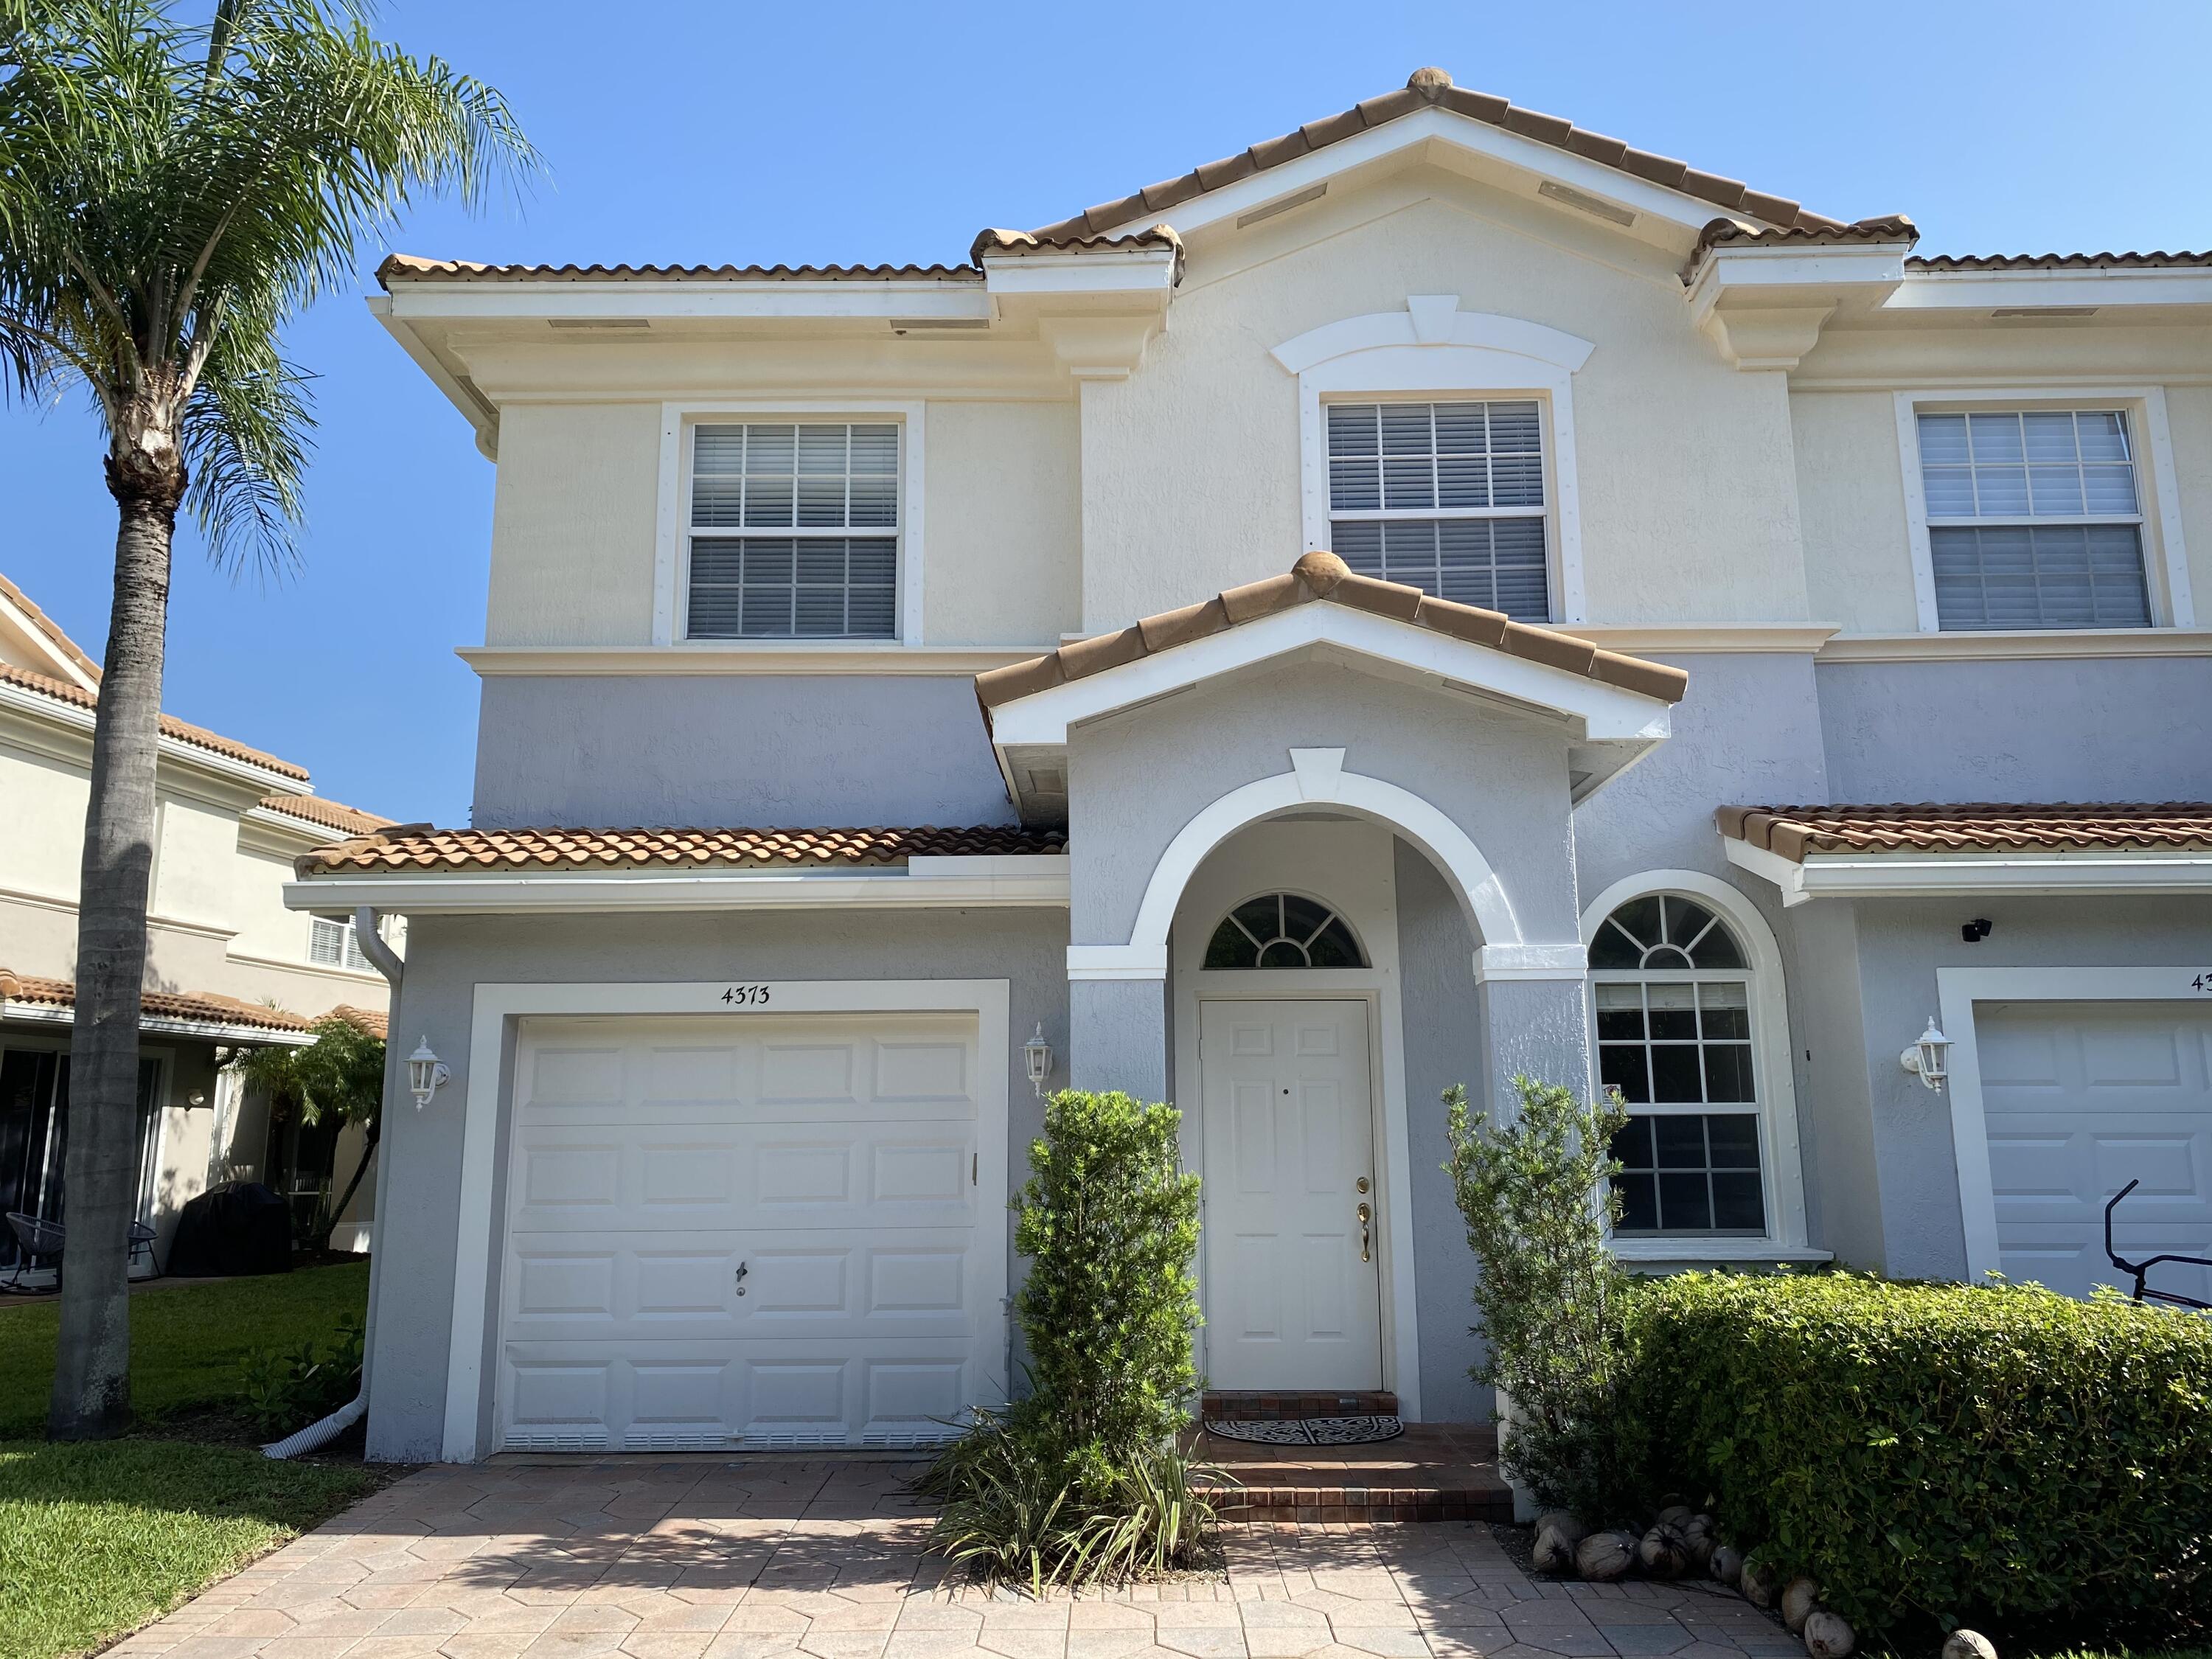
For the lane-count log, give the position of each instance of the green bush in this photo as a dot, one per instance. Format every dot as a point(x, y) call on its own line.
point(1081, 1480)
point(1536, 1200)
point(285, 1389)
point(1938, 1455)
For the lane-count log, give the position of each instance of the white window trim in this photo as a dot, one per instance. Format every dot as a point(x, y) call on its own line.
point(1957, 991)
point(1433, 349)
point(1774, 1076)
point(671, 533)
point(485, 1079)
point(2166, 557)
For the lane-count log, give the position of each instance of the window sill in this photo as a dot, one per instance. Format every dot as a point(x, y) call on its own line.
point(1697, 1250)
point(1986, 645)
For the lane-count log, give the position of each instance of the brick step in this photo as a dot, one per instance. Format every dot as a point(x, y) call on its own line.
point(1433, 1472)
point(1276, 1406)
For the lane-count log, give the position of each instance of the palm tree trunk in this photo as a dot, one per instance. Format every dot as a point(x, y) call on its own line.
point(336, 1211)
point(91, 1397)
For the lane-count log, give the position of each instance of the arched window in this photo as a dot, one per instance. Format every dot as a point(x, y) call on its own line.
point(1672, 987)
point(1283, 930)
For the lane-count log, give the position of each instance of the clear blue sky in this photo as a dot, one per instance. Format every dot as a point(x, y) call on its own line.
point(742, 132)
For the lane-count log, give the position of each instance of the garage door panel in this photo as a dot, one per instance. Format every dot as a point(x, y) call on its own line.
point(806, 1177)
point(834, 1158)
point(650, 1285)
point(2079, 1099)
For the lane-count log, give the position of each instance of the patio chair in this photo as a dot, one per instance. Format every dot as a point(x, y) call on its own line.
point(36, 1236)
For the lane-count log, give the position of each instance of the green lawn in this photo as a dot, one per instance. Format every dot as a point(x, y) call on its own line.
point(96, 1539)
point(186, 1343)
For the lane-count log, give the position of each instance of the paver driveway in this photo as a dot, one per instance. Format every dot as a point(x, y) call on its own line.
point(752, 1559)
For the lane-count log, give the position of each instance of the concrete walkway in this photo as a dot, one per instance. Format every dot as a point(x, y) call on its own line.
point(758, 1558)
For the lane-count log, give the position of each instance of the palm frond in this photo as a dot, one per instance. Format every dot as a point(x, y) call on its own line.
point(172, 195)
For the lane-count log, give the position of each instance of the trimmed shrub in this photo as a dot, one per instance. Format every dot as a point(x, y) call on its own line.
point(1535, 1197)
point(1081, 1480)
point(1109, 1223)
point(1938, 1455)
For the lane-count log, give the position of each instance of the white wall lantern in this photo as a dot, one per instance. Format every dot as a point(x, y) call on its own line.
point(425, 1073)
point(1038, 1052)
point(1927, 1059)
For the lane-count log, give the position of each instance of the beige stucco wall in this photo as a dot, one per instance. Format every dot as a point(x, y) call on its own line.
point(1191, 468)
point(1850, 489)
point(573, 526)
point(1002, 523)
point(576, 518)
point(1850, 484)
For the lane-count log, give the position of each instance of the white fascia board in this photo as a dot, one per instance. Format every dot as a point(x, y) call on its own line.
point(2110, 286)
point(1768, 867)
point(1597, 713)
point(1017, 882)
point(1687, 213)
point(174, 751)
point(1966, 875)
point(1766, 275)
point(1120, 270)
point(481, 301)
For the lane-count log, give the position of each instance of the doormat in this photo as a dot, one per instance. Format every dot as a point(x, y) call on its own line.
point(1309, 1431)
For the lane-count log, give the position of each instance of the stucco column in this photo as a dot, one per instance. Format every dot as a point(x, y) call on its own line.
point(1536, 1027)
point(1117, 1035)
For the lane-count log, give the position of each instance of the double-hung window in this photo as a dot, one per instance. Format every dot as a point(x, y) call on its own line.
point(794, 531)
point(2034, 518)
point(1447, 497)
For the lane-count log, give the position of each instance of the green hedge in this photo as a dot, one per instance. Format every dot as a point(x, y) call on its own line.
point(1938, 1455)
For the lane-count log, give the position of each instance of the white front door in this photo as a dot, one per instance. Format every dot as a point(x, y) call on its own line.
point(1293, 1299)
point(2079, 1098)
point(755, 1231)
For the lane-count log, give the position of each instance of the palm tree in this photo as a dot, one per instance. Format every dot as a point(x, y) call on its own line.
point(171, 194)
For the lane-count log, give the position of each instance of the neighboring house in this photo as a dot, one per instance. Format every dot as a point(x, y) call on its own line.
point(228, 968)
point(1656, 505)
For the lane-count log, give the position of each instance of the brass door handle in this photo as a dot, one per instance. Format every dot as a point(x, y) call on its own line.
point(1366, 1233)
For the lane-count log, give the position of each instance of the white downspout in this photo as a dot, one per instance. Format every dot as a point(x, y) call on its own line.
point(322, 1433)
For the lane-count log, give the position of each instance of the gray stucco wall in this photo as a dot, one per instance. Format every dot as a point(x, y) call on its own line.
point(1748, 732)
point(2102, 729)
point(1901, 943)
point(1835, 1129)
point(1443, 1045)
point(448, 957)
point(734, 749)
point(1137, 778)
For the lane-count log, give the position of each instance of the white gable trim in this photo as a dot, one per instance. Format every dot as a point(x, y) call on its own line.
point(1597, 712)
point(1433, 346)
point(1415, 132)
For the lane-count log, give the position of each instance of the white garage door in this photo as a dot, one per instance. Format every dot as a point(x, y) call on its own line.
point(2079, 1099)
point(749, 1231)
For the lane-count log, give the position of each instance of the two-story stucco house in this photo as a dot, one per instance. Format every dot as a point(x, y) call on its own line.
point(229, 968)
point(1439, 595)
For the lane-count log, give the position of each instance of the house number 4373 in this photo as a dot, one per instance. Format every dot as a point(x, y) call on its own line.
point(747, 996)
